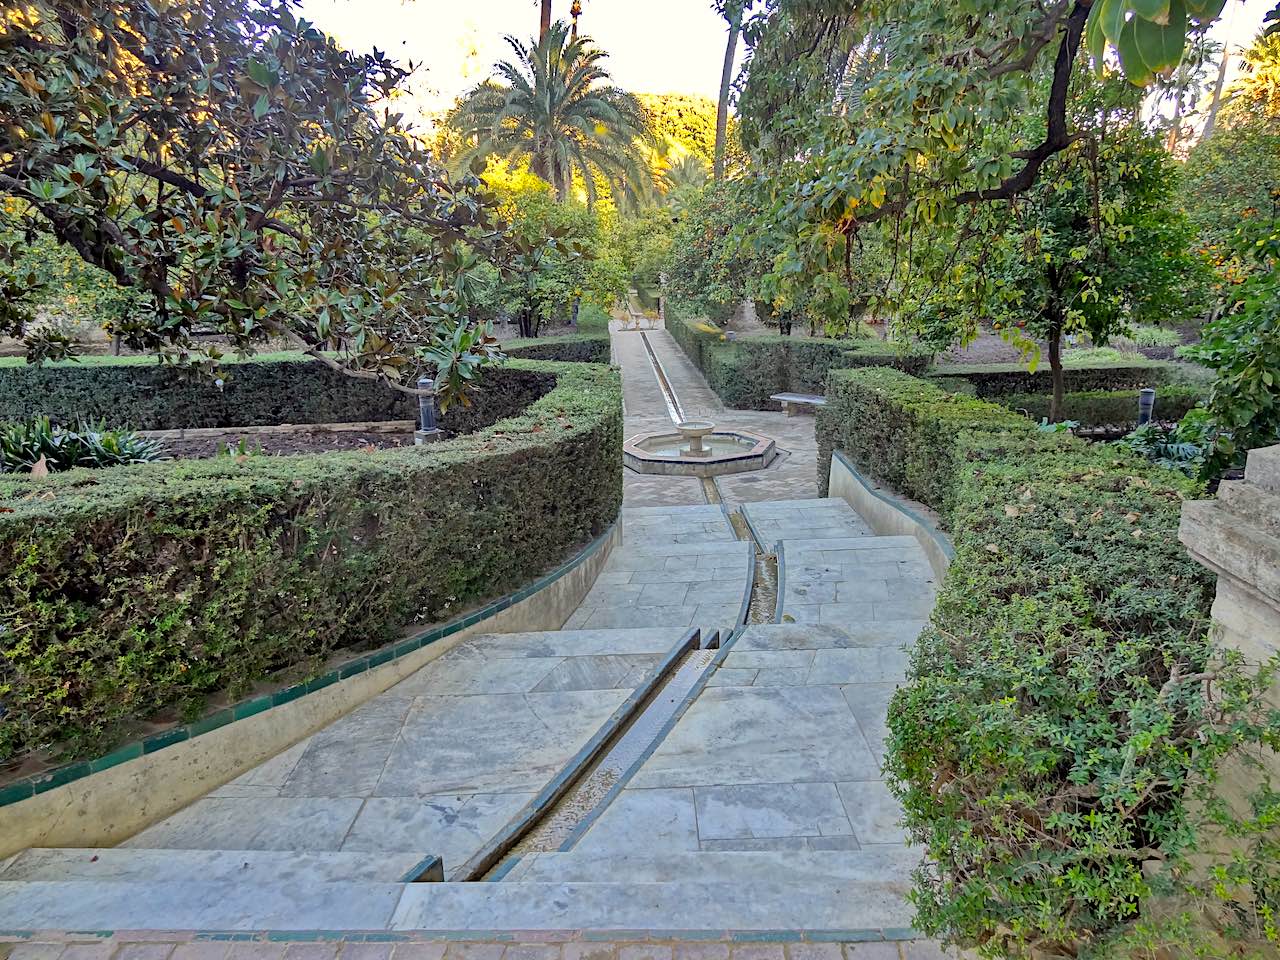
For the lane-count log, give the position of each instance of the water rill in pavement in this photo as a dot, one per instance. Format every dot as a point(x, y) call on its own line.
point(559, 827)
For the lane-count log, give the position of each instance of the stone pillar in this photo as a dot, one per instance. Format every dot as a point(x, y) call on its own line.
point(1237, 536)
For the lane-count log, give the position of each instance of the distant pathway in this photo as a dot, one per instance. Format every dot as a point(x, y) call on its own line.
point(792, 476)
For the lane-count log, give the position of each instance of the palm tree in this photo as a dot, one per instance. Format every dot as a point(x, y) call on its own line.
point(553, 106)
point(732, 11)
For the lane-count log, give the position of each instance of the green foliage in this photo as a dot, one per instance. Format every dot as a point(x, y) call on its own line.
point(1184, 447)
point(148, 588)
point(1242, 347)
point(1098, 408)
point(270, 389)
point(643, 244)
point(1002, 379)
point(246, 182)
point(1141, 336)
point(710, 268)
point(41, 444)
point(1053, 733)
point(744, 373)
point(684, 124)
point(553, 106)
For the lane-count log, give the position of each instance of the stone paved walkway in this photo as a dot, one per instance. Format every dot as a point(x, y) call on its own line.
point(759, 810)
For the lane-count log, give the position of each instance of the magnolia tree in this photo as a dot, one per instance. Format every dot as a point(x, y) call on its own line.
point(236, 166)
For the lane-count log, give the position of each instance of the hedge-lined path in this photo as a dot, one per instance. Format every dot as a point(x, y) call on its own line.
point(756, 818)
point(792, 475)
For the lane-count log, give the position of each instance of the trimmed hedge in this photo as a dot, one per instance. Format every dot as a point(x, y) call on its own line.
point(576, 348)
point(744, 373)
point(1002, 379)
point(134, 593)
point(1100, 408)
point(1043, 742)
point(140, 393)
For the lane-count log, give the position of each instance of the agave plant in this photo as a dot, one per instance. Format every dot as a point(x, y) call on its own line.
point(23, 445)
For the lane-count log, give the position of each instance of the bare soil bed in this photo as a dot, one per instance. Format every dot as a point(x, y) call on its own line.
point(283, 444)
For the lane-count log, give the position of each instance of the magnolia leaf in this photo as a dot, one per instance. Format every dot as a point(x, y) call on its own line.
point(1161, 46)
point(1135, 67)
point(1094, 38)
point(1111, 16)
point(1157, 11)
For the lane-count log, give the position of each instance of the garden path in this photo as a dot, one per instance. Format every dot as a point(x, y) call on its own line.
point(757, 813)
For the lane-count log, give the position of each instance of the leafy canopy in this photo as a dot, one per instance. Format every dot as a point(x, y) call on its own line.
point(553, 106)
point(234, 164)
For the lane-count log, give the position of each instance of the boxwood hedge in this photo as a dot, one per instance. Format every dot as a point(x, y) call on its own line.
point(1054, 712)
point(745, 372)
point(995, 380)
point(140, 393)
point(134, 593)
point(1100, 408)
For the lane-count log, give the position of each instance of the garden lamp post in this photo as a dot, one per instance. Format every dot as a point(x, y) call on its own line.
point(1146, 405)
point(427, 431)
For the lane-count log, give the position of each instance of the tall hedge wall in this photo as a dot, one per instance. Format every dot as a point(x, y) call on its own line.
point(1052, 716)
point(136, 590)
point(1001, 379)
point(745, 372)
point(140, 393)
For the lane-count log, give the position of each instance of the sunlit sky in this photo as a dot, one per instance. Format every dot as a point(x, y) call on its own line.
point(655, 46)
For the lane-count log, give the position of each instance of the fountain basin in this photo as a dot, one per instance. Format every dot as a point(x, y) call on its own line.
point(698, 449)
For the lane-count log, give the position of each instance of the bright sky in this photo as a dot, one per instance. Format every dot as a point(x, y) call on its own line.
point(654, 46)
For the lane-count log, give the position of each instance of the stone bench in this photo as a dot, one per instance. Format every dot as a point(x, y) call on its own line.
point(793, 402)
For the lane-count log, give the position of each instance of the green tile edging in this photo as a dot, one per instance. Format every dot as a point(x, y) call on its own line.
point(37, 784)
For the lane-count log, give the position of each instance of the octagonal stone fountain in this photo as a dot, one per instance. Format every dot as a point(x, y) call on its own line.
point(698, 449)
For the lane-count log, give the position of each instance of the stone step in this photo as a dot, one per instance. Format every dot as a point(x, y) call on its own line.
point(139, 865)
point(855, 908)
point(199, 904)
point(706, 523)
point(858, 908)
point(853, 581)
point(584, 864)
point(777, 520)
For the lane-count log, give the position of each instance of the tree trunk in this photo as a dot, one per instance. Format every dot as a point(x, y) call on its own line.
point(544, 24)
point(733, 14)
point(1055, 369)
point(1217, 93)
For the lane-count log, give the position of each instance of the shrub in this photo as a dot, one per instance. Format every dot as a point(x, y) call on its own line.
point(278, 388)
point(578, 348)
point(1053, 715)
point(745, 372)
point(1001, 379)
point(1096, 408)
point(24, 445)
point(147, 588)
